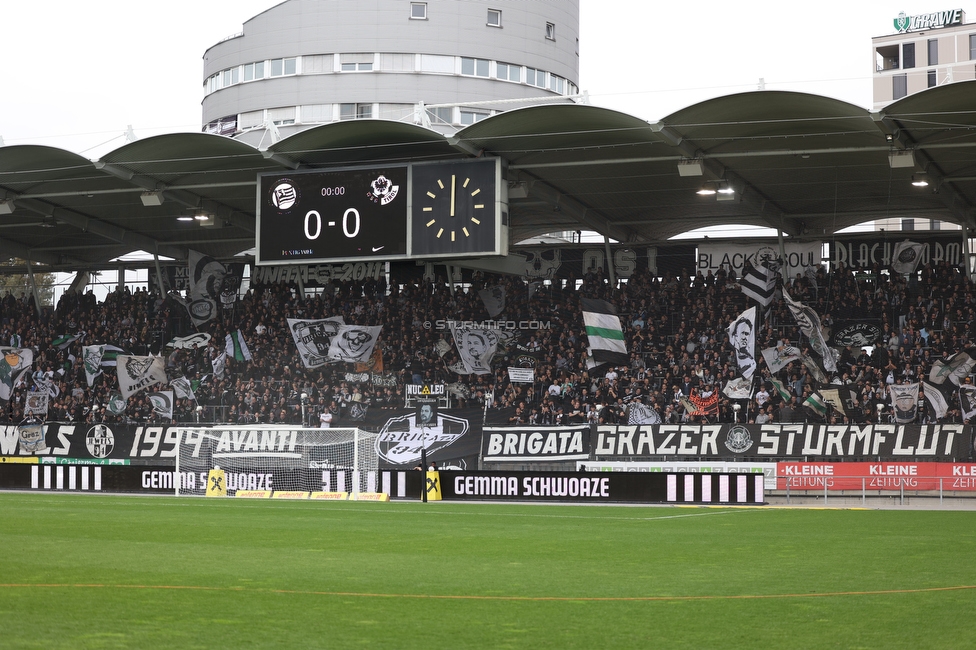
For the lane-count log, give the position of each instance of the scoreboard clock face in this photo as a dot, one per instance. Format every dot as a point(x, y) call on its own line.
point(455, 209)
point(333, 216)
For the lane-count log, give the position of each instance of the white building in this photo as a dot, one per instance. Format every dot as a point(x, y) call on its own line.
point(925, 51)
point(442, 63)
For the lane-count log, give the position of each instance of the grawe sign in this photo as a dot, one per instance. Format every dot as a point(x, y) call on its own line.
point(935, 20)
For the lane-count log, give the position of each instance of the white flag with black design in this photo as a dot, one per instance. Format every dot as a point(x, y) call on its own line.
point(219, 364)
point(354, 343)
point(14, 362)
point(162, 403)
point(138, 373)
point(476, 347)
point(780, 357)
point(967, 401)
point(92, 357)
point(904, 402)
point(809, 323)
point(742, 336)
point(603, 330)
point(936, 399)
point(182, 388)
point(638, 413)
point(313, 338)
point(36, 403)
point(738, 388)
point(956, 368)
point(494, 299)
point(759, 283)
point(906, 256)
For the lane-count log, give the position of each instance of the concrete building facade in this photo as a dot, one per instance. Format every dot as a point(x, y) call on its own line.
point(927, 50)
point(441, 63)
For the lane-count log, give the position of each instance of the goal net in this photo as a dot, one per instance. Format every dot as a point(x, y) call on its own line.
point(277, 459)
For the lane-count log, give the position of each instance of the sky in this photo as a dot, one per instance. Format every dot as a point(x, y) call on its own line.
point(76, 75)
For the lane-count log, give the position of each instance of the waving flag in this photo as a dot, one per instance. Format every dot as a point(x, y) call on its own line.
point(236, 346)
point(760, 283)
point(906, 256)
point(604, 332)
point(138, 373)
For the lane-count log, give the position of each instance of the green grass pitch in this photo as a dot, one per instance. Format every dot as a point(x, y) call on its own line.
point(82, 571)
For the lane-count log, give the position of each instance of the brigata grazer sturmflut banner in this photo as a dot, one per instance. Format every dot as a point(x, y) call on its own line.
point(942, 441)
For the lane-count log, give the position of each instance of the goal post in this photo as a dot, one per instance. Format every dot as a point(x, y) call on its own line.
point(276, 458)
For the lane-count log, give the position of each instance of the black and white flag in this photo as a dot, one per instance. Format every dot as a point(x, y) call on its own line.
point(742, 336)
point(138, 373)
point(936, 399)
point(809, 323)
point(219, 364)
point(313, 339)
point(604, 332)
point(182, 388)
point(36, 403)
point(476, 347)
point(906, 256)
point(967, 401)
point(92, 357)
point(956, 368)
point(162, 403)
point(638, 413)
point(780, 357)
point(759, 283)
point(494, 299)
point(206, 279)
point(354, 343)
point(904, 402)
point(738, 388)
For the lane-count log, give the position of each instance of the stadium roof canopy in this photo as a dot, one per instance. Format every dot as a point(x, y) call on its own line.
point(806, 164)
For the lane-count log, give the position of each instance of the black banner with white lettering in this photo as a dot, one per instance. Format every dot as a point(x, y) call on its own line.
point(812, 441)
point(863, 253)
point(602, 487)
point(536, 444)
point(452, 438)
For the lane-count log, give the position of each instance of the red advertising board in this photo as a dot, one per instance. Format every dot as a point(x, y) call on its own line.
point(876, 476)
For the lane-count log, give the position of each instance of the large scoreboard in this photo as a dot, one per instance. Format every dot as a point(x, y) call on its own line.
point(433, 210)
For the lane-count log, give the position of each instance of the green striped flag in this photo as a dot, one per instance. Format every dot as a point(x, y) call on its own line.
point(236, 348)
point(605, 334)
point(816, 404)
point(781, 389)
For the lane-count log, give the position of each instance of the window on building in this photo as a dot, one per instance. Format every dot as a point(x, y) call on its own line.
point(396, 62)
point(283, 67)
point(535, 77)
point(316, 113)
point(397, 112)
point(251, 119)
point(508, 72)
point(908, 224)
point(557, 84)
point(281, 116)
point(357, 67)
point(355, 111)
point(254, 71)
point(364, 111)
point(230, 76)
point(356, 62)
point(494, 18)
point(317, 64)
point(972, 46)
point(551, 31)
point(908, 55)
point(886, 58)
point(474, 67)
point(442, 115)
point(932, 79)
point(935, 224)
point(899, 86)
point(418, 11)
point(470, 117)
point(437, 63)
point(933, 51)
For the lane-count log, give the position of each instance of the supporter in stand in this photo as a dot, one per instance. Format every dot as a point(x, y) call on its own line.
point(674, 329)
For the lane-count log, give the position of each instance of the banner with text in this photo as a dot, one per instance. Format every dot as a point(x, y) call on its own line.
point(864, 253)
point(876, 476)
point(800, 256)
point(536, 444)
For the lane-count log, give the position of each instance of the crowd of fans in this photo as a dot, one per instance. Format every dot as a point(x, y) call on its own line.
point(675, 331)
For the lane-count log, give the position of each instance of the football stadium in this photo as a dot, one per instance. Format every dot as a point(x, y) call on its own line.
point(454, 372)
